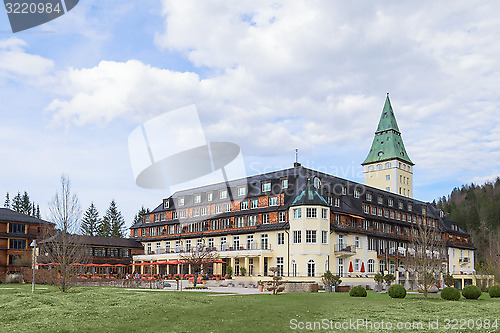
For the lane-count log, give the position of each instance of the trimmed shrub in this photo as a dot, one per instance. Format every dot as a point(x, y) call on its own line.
point(494, 291)
point(471, 292)
point(397, 291)
point(450, 294)
point(357, 291)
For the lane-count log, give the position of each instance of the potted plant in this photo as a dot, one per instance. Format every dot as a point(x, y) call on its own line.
point(243, 271)
point(328, 281)
point(379, 279)
point(261, 285)
point(229, 272)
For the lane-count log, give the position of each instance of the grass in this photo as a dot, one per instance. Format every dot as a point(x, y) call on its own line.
point(120, 310)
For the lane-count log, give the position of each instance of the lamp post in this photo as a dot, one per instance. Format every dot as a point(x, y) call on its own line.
point(33, 245)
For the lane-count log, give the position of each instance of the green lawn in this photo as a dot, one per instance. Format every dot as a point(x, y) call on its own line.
point(119, 310)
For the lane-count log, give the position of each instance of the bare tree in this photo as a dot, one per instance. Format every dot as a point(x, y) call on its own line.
point(276, 285)
point(426, 255)
point(63, 249)
point(199, 257)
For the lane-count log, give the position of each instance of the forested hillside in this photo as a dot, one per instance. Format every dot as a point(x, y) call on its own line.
point(477, 211)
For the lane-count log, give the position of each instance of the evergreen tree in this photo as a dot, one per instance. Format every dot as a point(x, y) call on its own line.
point(26, 204)
point(113, 222)
point(90, 221)
point(38, 211)
point(7, 201)
point(140, 213)
point(17, 203)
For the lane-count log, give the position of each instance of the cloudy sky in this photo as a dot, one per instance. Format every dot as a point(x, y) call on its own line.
point(270, 76)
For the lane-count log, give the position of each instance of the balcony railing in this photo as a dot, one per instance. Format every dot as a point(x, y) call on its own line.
point(222, 247)
point(345, 249)
point(464, 260)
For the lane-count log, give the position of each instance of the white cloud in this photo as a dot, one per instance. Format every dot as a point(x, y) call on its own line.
point(16, 64)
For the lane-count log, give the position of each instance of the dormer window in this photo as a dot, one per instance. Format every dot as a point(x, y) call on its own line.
point(380, 199)
point(223, 194)
point(344, 190)
point(284, 183)
point(400, 204)
point(180, 201)
point(317, 182)
point(166, 204)
point(390, 202)
point(197, 198)
point(357, 193)
point(242, 191)
point(210, 196)
point(266, 187)
point(369, 197)
point(410, 206)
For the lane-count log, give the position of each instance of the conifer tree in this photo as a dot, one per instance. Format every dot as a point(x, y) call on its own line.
point(90, 221)
point(7, 201)
point(140, 213)
point(17, 203)
point(38, 211)
point(113, 222)
point(26, 206)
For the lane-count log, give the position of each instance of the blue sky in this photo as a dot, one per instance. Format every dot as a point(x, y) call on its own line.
point(270, 76)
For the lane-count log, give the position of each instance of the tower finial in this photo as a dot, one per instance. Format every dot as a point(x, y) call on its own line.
point(296, 164)
point(387, 94)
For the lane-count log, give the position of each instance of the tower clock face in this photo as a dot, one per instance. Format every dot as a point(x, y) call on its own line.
point(316, 182)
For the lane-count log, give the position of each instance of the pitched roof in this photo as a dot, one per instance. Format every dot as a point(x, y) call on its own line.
point(9, 215)
point(96, 240)
point(309, 196)
point(387, 144)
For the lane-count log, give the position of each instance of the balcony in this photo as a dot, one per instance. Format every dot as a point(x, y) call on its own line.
point(344, 250)
point(464, 261)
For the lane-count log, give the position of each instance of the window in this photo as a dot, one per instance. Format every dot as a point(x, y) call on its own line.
point(424, 211)
point(236, 242)
point(227, 207)
point(197, 198)
point(381, 266)
point(284, 183)
point(188, 245)
point(400, 204)
point(218, 209)
point(223, 244)
point(240, 221)
point(223, 194)
point(357, 242)
point(17, 228)
point(386, 214)
point(265, 218)
point(357, 193)
point(324, 213)
point(311, 268)
point(371, 266)
point(336, 202)
point(210, 196)
point(379, 167)
point(196, 212)
point(98, 250)
point(357, 265)
point(392, 214)
point(244, 205)
point(158, 248)
point(390, 202)
point(281, 238)
point(250, 245)
point(297, 236)
point(344, 190)
point(388, 165)
point(252, 220)
point(380, 211)
point(310, 236)
point(180, 202)
point(337, 218)
point(273, 201)
point(410, 206)
point(365, 224)
point(387, 177)
point(371, 168)
point(254, 203)
point(316, 182)
point(372, 244)
point(279, 265)
point(266, 187)
point(163, 217)
point(242, 191)
point(340, 266)
point(264, 241)
point(282, 217)
point(211, 243)
point(366, 209)
point(166, 204)
point(297, 213)
point(203, 211)
point(157, 217)
point(369, 197)
point(294, 268)
point(388, 189)
point(311, 213)
point(18, 244)
point(324, 237)
point(374, 210)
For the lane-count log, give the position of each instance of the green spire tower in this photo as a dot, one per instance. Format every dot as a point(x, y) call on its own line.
point(387, 165)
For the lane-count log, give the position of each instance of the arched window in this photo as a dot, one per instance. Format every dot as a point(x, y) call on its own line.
point(311, 268)
point(294, 268)
point(371, 266)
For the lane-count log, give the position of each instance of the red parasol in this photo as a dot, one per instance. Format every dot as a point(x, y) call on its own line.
point(362, 267)
point(77, 264)
point(173, 262)
point(92, 265)
point(350, 267)
point(120, 265)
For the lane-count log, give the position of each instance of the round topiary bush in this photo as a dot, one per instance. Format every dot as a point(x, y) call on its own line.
point(494, 291)
point(397, 291)
point(450, 294)
point(357, 291)
point(471, 292)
